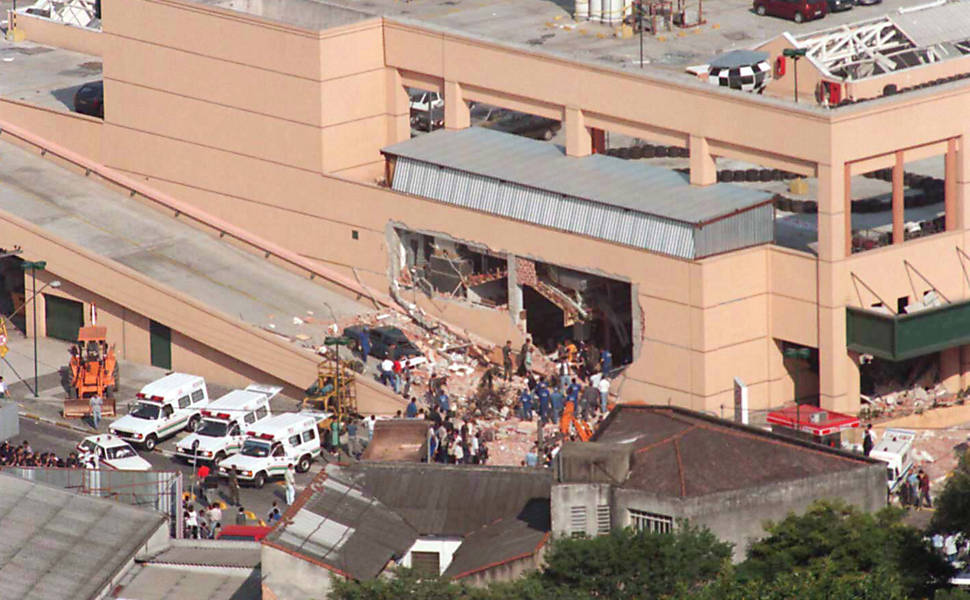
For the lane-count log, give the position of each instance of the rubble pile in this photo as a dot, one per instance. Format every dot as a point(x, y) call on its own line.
point(893, 403)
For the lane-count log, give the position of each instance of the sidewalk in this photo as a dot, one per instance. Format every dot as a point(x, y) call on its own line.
point(53, 382)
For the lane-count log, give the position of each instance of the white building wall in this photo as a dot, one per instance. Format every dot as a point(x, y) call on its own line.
point(445, 547)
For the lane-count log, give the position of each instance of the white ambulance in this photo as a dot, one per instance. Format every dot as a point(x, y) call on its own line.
point(275, 443)
point(163, 408)
point(224, 422)
point(895, 448)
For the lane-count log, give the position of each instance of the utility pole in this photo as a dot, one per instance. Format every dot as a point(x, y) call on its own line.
point(639, 6)
point(33, 267)
point(794, 54)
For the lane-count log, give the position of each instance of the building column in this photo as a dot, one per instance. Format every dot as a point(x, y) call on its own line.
point(838, 373)
point(964, 367)
point(950, 185)
point(514, 290)
point(961, 195)
point(457, 113)
point(899, 202)
point(579, 142)
point(703, 169)
point(950, 369)
point(398, 109)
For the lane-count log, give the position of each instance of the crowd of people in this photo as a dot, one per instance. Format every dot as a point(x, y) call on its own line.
point(22, 455)
point(581, 377)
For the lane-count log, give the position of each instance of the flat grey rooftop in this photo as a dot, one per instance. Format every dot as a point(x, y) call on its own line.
point(57, 544)
point(307, 14)
point(44, 76)
point(243, 556)
point(108, 223)
point(156, 582)
point(598, 178)
point(548, 26)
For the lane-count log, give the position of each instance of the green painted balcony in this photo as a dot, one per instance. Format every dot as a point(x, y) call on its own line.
point(905, 336)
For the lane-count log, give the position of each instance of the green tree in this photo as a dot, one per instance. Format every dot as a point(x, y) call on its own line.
point(841, 541)
point(405, 583)
point(824, 581)
point(631, 564)
point(952, 513)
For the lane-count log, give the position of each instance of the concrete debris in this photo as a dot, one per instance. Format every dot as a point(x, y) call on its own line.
point(297, 321)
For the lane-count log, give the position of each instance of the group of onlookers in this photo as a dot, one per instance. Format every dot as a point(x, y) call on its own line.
point(22, 455)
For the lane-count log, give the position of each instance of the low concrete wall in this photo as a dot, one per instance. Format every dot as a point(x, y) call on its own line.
point(61, 35)
point(9, 421)
point(739, 516)
point(288, 577)
point(78, 133)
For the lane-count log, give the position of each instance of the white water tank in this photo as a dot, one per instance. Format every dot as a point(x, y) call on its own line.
point(582, 10)
point(596, 10)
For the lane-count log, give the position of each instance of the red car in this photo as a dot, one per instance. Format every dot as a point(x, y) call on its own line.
point(243, 533)
point(796, 10)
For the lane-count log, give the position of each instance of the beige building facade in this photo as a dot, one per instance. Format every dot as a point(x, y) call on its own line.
point(274, 123)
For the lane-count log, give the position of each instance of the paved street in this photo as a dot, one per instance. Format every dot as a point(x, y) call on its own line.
point(18, 368)
point(47, 438)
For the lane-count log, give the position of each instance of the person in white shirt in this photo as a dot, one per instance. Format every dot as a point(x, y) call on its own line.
point(387, 371)
point(192, 523)
point(370, 422)
point(459, 451)
point(603, 385)
point(3, 388)
point(289, 477)
point(473, 449)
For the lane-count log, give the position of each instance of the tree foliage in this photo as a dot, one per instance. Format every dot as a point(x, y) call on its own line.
point(952, 513)
point(632, 564)
point(834, 538)
point(832, 552)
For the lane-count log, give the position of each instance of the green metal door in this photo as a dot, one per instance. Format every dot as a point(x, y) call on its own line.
point(161, 340)
point(63, 317)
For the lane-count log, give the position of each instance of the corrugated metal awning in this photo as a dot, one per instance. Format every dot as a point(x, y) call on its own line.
point(715, 227)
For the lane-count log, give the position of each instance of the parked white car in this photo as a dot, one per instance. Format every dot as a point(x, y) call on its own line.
point(275, 443)
point(224, 422)
point(112, 452)
point(164, 408)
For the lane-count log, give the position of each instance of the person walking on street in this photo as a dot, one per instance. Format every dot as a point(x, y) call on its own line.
point(867, 441)
point(96, 403)
point(924, 489)
point(290, 478)
point(241, 518)
point(370, 422)
point(234, 487)
point(506, 360)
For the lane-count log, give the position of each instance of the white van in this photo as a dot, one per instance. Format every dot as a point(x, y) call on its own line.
point(274, 443)
point(225, 420)
point(164, 407)
point(895, 448)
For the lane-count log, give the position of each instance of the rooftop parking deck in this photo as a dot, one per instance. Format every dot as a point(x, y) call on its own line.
point(45, 76)
point(111, 224)
point(549, 26)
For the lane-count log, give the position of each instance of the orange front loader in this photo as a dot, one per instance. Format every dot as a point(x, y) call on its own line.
point(94, 372)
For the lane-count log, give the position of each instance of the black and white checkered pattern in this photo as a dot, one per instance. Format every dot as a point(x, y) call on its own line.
point(747, 78)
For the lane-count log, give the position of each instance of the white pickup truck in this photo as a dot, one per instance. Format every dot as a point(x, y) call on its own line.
point(224, 422)
point(275, 443)
point(164, 407)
